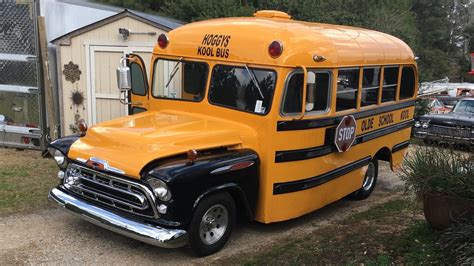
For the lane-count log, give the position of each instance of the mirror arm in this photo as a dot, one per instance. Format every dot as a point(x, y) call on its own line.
point(124, 100)
point(303, 101)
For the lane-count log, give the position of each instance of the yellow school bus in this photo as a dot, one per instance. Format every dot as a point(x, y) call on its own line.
point(264, 116)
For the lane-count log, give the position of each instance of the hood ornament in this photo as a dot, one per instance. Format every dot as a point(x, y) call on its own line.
point(101, 165)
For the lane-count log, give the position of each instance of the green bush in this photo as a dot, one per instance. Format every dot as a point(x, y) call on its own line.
point(422, 106)
point(434, 170)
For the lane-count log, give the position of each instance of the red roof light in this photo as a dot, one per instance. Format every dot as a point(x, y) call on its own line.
point(163, 41)
point(275, 49)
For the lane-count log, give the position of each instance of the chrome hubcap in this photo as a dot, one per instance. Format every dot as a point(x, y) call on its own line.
point(213, 224)
point(369, 177)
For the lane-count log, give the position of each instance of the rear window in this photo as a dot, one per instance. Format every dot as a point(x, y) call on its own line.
point(407, 84)
point(246, 89)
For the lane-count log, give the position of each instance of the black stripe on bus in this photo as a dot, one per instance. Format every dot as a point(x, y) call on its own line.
point(318, 151)
point(401, 146)
point(334, 121)
point(293, 186)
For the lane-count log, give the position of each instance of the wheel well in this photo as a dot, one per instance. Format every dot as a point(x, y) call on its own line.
point(384, 154)
point(241, 204)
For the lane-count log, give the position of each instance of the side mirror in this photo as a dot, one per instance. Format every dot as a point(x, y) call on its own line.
point(124, 80)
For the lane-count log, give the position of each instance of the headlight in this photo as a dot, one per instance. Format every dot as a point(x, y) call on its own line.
point(417, 124)
point(160, 189)
point(59, 157)
point(425, 125)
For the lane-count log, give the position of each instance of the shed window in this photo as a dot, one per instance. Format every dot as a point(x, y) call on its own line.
point(317, 94)
point(370, 86)
point(347, 86)
point(407, 83)
point(389, 87)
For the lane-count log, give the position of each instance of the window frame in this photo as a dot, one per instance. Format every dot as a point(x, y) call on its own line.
point(359, 86)
point(144, 79)
point(312, 113)
point(180, 99)
point(397, 85)
point(267, 111)
point(379, 91)
point(415, 82)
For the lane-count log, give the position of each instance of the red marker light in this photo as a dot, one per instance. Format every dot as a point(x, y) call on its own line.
point(82, 126)
point(163, 41)
point(192, 155)
point(275, 49)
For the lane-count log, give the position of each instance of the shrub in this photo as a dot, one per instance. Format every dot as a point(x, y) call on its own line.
point(458, 242)
point(434, 170)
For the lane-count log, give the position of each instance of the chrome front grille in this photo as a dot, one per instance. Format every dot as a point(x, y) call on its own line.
point(450, 131)
point(117, 193)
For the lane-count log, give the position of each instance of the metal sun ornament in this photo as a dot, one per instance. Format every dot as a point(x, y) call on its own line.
point(71, 72)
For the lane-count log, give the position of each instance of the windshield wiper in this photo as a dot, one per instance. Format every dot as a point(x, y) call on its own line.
point(254, 80)
point(173, 72)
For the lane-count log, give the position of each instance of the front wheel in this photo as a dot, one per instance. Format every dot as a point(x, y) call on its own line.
point(212, 224)
point(369, 182)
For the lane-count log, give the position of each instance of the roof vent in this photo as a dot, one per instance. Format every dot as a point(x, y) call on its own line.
point(271, 14)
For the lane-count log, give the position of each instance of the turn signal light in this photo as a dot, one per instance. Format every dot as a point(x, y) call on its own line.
point(163, 41)
point(275, 49)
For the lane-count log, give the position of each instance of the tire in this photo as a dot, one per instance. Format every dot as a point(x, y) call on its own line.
point(205, 230)
point(368, 184)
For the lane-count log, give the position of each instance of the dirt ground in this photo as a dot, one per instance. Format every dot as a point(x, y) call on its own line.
point(54, 237)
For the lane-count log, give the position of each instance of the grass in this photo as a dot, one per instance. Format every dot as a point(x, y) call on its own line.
point(391, 233)
point(25, 179)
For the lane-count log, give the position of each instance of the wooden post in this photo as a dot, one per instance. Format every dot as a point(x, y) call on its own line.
point(51, 116)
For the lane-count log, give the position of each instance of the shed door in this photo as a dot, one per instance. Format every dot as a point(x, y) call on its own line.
point(105, 96)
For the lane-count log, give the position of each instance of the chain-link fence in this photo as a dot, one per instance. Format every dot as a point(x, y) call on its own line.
point(20, 101)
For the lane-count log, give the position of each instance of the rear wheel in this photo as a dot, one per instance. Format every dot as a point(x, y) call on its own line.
point(369, 182)
point(212, 224)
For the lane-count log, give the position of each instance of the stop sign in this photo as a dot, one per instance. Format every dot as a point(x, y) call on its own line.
point(345, 133)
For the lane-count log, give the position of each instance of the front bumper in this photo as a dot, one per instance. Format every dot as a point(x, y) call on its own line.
point(443, 138)
point(150, 234)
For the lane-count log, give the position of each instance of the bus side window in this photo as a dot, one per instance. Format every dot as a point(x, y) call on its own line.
point(293, 95)
point(370, 86)
point(347, 87)
point(407, 84)
point(317, 94)
point(389, 87)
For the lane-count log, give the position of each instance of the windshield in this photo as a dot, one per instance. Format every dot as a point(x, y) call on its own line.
point(178, 79)
point(466, 106)
point(242, 88)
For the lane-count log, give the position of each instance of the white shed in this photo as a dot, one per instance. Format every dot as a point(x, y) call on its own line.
point(88, 57)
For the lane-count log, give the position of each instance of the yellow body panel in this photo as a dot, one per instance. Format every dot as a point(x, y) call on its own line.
point(173, 127)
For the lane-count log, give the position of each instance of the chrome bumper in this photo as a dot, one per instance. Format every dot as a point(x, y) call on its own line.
point(154, 235)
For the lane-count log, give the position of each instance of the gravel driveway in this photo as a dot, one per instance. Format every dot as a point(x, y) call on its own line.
point(54, 237)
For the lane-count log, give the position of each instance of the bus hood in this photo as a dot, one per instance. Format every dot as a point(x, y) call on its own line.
point(131, 142)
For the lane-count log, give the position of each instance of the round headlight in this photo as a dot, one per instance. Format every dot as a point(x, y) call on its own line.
point(160, 189)
point(425, 125)
point(59, 157)
point(417, 124)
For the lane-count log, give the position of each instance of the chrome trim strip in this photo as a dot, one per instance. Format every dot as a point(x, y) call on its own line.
point(150, 234)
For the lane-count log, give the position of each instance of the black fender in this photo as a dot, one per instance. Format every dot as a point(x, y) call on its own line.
point(237, 193)
point(64, 144)
point(234, 171)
